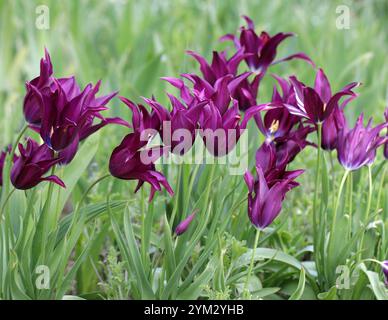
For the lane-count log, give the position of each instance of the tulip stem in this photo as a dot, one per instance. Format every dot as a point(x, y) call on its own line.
point(315, 210)
point(333, 223)
point(350, 204)
point(367, 210)
point(252, 260)
point(5, 203)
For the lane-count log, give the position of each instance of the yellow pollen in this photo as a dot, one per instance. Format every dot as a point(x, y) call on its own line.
point(274, 126)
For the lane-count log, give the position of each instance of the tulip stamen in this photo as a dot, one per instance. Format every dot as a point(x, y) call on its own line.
point(274, 126)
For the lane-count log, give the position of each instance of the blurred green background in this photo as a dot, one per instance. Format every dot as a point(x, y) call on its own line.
point(131, 44)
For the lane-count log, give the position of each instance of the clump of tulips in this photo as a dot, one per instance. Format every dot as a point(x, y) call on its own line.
point(218, 98)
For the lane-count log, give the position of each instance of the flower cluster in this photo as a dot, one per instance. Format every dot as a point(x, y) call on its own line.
point(63, 115)
point(218, 102)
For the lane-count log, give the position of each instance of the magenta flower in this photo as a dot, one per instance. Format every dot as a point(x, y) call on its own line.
point(273, 164)
point(261, 50)
point(265, 202)
point(357, 147)
point(220, 66)
point(268, 190)
point(61, 113)
point(331, 127)
point(42, 83)
point(317, 104)
point(34, 162)
point(179, 127)
point(132, 159)
point(184, 224)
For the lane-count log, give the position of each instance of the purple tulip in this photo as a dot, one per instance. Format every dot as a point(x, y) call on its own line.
point(184, 224)
point(62, 113)
point(273, 164)
point(34, 162)
point(222, 75)
point(331, 127)
point(182, 120)
point(132, 159)
point(261, 50)
point(220, 66)
point(386, 143)
point(31, 106)
point(317, 104)
point(384, 267)
point(265, 202)
point(357, 147)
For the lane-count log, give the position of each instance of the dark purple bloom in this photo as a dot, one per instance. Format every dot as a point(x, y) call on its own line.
point(61, 113)
point(357, 147)
point(268, 190)
point(274, 164)
point(220, 66)
point(132, 159)
point(31, 106)
point(386, 143)
point(265, 202)
point(179, 126)
point(384, 267)
point(184, 224)
point(317, 104)
point(222, 75)
point(261, 50)
point(33, 163)
point(331, 127)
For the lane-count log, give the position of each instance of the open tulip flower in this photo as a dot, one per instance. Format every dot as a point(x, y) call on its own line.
point(317, 104)
point(265, 201)
point(62, 113)
point(357, 147)
point(33, 163)
point(261, 50)
point(133, 159)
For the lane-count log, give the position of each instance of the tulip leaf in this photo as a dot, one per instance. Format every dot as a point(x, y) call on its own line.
point(376, 285)
point(301, 285)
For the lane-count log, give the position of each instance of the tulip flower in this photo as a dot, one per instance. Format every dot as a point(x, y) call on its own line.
point(133, 159)
point(222, 73)
point(261, 50)
point(317, 104)
point(357, 147)
point(264, 201)
point(42, 83)
point(62, 113)
point(179, 127)
point(221, 132)
point(33, 163)
point(220, 66)
point(184, 225)
point(273, 165)
point(331, 127)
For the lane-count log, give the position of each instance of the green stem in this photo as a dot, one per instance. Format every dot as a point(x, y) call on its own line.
point(381, 188)
point(5, 203)
point(350, 203)
point(335, 212)
point(315, 205)
point(143, 213)
point(367, 210)
point(252, 260)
